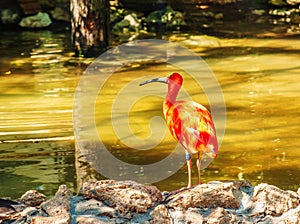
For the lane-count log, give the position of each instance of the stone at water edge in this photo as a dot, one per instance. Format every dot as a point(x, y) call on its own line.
point(32, 198)
point(40, 20)
point(160, 214)
point(110, 201)
point(272, 200)
point(59, 204)
point(211, 195)
point(125, 196)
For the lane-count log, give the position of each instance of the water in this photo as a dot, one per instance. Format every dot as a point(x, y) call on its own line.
point(37, 84)
point(38, 78)
point(259, 80)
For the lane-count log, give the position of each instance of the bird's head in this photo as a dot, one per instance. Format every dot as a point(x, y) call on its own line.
point(173, 80)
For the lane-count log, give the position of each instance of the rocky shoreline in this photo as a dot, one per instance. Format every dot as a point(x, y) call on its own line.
point(109, 201)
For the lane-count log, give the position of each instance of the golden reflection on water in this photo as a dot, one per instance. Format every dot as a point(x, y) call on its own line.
point(259, 79)
point(260, 84)
point(36, 134)
point(261, 91)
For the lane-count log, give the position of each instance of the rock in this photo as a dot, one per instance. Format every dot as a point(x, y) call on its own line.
point(220, 215)
point(9, 16)
point(217, 194)
point(59, 205)
point(61, 13)
point(6, 212)
point(125, 196)
point(160, 214)
point(50, 220)
point(132, 20)
point(129, 23)
point(189, 216)
point(109, 201)
point(91, 220)
point(40, 20)
point(167, 16)
point(273, 201)
point(29, 212)
point(94, 207)
point(32, 198)
point(292, 216)
point(10, 210)
point(293, 2)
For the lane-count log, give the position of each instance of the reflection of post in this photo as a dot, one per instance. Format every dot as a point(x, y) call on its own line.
point(84, 170)
point(90, 22)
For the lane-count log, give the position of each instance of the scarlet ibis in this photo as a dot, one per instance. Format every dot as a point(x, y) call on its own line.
point(190, 123)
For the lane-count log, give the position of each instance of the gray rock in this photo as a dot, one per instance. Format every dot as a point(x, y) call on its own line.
point(220, 215)
point(125, 196)
point(271, 200)
point(59, 205)
point(160, 214)
point(212, 195)
point(94, 207)
point(110, 201)
point(50, 220)
point(32, 198)
point(91, 220)
point(291, 216)
point(188, 216)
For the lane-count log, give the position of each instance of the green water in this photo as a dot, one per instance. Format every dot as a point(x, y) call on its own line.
point(38, 77)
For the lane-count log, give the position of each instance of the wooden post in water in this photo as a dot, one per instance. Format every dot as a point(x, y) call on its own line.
point(90, 26)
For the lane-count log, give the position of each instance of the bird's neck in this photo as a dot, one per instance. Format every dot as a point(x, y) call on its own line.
point(170, 97)
point(173, 90)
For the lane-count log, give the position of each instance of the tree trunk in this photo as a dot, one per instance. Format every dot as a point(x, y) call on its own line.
point(90, 26)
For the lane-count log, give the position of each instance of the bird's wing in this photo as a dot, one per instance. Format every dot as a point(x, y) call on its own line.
point(193, 127)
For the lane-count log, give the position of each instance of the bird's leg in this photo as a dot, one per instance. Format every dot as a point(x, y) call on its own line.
point(189, 165)
point(198, 167)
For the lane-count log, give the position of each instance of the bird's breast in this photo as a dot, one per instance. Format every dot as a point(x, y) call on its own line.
point(191, 124)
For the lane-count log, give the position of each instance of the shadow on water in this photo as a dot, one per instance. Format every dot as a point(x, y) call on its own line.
point(223, 52)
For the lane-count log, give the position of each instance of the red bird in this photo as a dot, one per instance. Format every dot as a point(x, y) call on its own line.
point(190, 124)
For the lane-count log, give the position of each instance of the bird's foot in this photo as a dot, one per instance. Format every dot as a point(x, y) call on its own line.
point(167, 195)
point(181, 189)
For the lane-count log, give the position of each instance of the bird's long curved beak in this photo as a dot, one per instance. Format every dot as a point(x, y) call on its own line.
point(163, 80)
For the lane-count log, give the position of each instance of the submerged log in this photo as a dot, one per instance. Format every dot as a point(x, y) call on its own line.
point(109, 201)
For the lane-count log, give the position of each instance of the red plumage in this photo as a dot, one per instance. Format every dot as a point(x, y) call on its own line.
point(190, 123)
